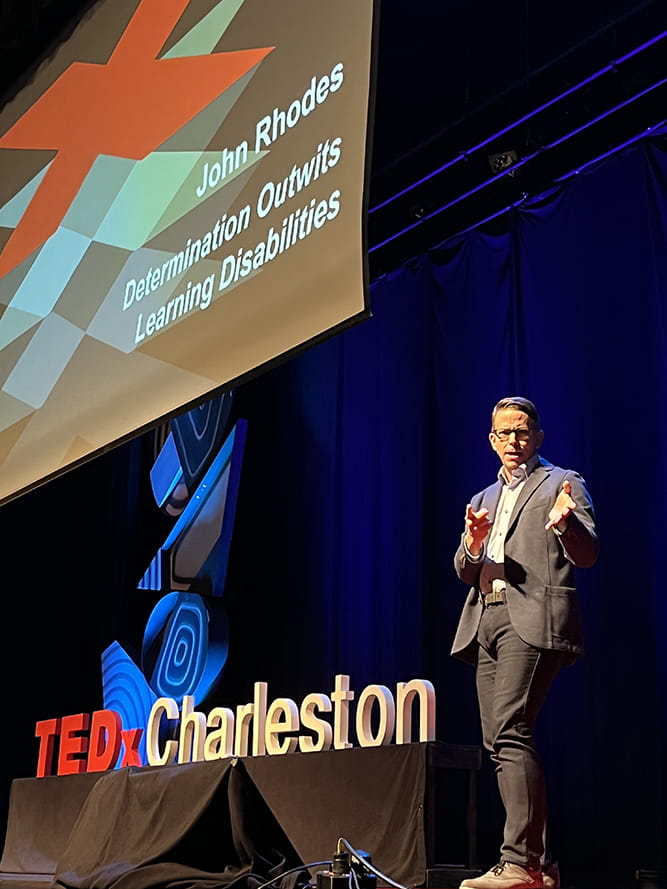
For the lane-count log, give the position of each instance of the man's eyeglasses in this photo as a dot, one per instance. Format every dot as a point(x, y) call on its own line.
point(521, 434)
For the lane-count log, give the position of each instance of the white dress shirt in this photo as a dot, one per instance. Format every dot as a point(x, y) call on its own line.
point(492, 575)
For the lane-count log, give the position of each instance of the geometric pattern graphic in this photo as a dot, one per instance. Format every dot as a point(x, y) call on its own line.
point(185, 646)
point(186, 638)
point(131, 194)
point(126, 691)
point(182, 203)
point(54, 342)
point(198, 434)
point(90, 198)
point(169, 490)
point(195, 553)
point(134, 123)
point(193, 439)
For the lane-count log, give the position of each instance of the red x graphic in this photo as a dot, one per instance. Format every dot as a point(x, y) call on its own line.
point(129, 106)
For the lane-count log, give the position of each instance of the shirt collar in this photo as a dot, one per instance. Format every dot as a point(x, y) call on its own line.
point(520, 474)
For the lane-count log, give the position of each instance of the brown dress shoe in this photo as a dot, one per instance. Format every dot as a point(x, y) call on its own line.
point(507, 875)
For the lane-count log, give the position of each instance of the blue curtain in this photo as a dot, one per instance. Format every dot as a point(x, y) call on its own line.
point(375, 441)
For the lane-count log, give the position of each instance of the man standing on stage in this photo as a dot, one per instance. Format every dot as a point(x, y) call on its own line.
point(524, 535)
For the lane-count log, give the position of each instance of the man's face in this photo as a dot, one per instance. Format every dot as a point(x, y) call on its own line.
point(514, 439)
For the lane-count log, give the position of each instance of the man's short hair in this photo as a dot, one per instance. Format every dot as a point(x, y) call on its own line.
point(521, 404)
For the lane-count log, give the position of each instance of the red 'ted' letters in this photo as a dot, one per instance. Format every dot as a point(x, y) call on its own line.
point(78, 752)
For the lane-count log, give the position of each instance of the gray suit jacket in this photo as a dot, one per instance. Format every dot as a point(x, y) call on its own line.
point(539, 565)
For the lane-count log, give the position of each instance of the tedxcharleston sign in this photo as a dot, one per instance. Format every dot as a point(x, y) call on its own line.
point(94, 743)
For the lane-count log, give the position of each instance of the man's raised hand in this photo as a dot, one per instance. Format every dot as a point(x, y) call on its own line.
point(477, 529)
point(561, 509)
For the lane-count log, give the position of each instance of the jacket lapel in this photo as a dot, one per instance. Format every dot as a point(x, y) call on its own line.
point(533, 482)
point(492, 498)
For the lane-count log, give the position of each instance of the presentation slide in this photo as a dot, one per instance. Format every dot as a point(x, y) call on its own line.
point(183, 195)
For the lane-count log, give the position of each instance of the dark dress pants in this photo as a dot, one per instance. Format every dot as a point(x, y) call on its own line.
point(513, 680)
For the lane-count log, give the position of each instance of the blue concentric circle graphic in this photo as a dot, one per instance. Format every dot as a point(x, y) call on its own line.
point(184, 647)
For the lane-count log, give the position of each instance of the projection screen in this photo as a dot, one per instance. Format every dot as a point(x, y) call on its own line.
point(182, 202)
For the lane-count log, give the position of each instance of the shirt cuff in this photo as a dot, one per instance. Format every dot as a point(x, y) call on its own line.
point(469, 555)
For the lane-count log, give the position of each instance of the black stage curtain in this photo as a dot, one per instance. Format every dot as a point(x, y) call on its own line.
point(360, 458)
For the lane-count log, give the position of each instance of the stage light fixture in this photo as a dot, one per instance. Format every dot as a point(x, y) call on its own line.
point(502, 160)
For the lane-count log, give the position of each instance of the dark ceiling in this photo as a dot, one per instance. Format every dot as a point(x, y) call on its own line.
point(450, 76)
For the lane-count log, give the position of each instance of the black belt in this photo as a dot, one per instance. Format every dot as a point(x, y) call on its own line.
point(496, 597)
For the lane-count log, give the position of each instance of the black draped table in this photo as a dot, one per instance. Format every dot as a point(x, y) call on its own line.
point(202, 825)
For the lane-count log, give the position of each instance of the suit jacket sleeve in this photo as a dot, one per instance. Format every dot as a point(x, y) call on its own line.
point(466, 567)
point(579, 540)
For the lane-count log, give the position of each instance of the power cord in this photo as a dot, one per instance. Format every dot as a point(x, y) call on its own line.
point(347, 868)
point(292, 870)
point(357, 855)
